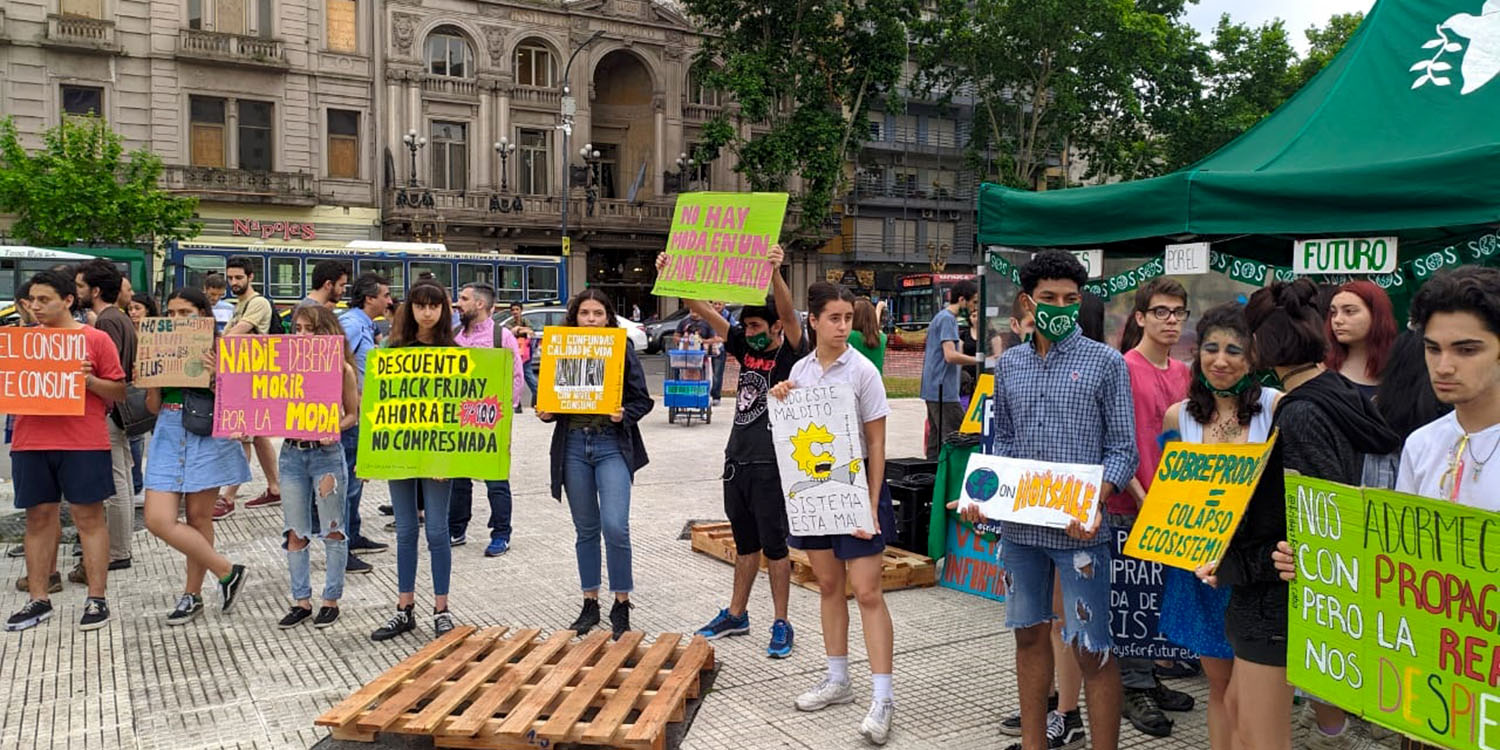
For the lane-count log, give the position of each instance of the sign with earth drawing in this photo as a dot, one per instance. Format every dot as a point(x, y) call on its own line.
point(1036, 493)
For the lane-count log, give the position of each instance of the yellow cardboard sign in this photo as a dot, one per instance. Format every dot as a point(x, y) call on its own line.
point(582, 370)
point(1196, 501)
point(979, 405)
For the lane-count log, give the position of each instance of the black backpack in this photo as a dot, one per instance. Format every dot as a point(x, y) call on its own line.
point(277, 324)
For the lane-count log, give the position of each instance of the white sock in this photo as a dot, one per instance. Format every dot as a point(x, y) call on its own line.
point(880, 685)
point(838, 668)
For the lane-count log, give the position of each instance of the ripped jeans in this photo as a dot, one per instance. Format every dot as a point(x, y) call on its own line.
point(314, 475)
point(1085, 590)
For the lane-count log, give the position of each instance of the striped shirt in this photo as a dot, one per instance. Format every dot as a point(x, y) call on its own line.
point(1072, 406)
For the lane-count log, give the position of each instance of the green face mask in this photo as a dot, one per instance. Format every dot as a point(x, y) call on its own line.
point(1055, 322)
point(759, 342)
point(1239, 387)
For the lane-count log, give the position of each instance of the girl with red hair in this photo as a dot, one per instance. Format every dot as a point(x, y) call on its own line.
point(1361, 329)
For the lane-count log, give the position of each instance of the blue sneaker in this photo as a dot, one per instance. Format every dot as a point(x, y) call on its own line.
point(497, 547)
point(725, 624)
point(781, 640)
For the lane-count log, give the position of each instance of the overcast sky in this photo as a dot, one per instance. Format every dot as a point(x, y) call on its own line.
point(1298, 14)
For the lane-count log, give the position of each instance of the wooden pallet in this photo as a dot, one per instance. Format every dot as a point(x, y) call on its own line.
point(514, 690)
point(901, 569)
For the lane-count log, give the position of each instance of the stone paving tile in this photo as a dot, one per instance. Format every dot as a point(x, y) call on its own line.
point(236, 681)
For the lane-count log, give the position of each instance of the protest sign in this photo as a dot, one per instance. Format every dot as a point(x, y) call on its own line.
point(41, 371)
point(1391, 616)
point(1136, 589)
point(582, 370)
point(1035, 493)
point(820, 451)
point(981, 406)
point(971, 561)
point(718, 244)
point(172, 353)
point(1196, 501)
point(279, 386)
point(436, 412)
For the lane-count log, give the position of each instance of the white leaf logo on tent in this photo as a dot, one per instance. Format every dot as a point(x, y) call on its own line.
point(1481, 61)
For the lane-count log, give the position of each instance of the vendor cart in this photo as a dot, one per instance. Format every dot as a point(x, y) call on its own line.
point(686, 386)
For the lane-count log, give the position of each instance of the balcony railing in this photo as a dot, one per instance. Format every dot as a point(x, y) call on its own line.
point(242, 185)
point(476, 206)
point(902, 138)
point(217, 46)
point(536, 97)
point(81, 32)
point(700, 112)
point(450, 87)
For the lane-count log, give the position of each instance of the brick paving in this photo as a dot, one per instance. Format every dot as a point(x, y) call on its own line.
point(236, 681)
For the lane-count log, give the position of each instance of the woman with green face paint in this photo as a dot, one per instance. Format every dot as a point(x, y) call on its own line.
point(1224, 405)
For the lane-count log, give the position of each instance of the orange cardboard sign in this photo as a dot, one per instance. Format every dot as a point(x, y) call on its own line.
point(41, 371)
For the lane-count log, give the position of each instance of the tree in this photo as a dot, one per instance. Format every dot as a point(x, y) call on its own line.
point(1326, 42)
point(81, 186)
point(803, 74)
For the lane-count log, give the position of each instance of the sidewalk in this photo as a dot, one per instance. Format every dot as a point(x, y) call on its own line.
point(238, 681)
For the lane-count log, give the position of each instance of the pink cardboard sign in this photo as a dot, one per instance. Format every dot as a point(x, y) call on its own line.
point(279, 386)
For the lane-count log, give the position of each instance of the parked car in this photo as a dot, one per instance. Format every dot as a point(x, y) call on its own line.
point(659, 333)
point(541, 317)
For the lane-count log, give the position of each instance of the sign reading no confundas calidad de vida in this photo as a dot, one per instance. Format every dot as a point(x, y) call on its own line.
point(718, 245)
point(279, 386)
point(1037, 493)
point(1395, 610)
point(436, 413)
point(582, 370)
point(820, 451)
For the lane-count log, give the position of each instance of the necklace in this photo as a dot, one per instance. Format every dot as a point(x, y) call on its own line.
point(1478, 464)
point(1226, 430)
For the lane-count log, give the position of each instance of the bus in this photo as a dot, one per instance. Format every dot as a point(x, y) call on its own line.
point(283, 272)
point(911, 307)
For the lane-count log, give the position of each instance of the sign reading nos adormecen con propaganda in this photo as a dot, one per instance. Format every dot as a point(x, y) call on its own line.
point(1333, 255)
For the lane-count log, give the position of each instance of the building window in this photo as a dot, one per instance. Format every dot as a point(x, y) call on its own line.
point(448, 54)
point(700, 94)
point(450, 155)
point(905, 182)
point(342, 20)
point(536, 161)
point(343, 143)
point(243, 17)
point(206, 132)
point(877, 126)
point(82, 100)
point(84, 8)
point(195, 14)
point(534, 65)
point(255, 135)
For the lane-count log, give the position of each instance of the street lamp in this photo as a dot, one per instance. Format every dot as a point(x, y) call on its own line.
point(568, 107)
point(504, 148)
point(686, 165)
point(413, 144)
point(590, 156)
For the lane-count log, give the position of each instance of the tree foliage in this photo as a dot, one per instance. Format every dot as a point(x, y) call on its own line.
point(802, 75)
point(81, 186)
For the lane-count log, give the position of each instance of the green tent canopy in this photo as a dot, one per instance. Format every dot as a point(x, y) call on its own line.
point(1397, 135)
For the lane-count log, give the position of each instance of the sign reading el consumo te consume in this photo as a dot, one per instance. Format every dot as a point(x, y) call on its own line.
point(1334, 255)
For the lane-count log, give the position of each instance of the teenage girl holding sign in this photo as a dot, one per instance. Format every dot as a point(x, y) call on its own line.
point(856, 557)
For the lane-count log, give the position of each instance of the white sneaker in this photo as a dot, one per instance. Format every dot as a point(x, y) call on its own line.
point(1354, 737)
point(826, 693)
point(876, 728)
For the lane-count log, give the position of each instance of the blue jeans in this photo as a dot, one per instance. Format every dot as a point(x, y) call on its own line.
point(461, 507)
point(1085, 591)
point(718, 384)
point(597, 482)
point(528, 373)
point(355, 491)
point(314, 477)
point(137, 447)
point(404, 502)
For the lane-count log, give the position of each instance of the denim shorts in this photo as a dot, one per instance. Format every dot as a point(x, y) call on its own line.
point(1085, 591)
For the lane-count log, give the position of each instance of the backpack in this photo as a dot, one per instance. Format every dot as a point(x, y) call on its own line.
point(277, 324)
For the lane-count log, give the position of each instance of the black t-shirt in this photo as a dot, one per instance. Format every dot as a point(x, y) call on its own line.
point(750, 440)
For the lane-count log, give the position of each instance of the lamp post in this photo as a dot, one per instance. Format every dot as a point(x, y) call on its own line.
point(686, 165)
point(590, 156)
point(413, 144)
point(569, 107)
point(504, 148)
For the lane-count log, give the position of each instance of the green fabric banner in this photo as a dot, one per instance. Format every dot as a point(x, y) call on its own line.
point(436, 413)
point(1395, 610)
point(718, 244)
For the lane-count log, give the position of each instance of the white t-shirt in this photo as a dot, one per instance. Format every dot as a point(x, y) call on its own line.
point(853, 369)
point(1429, 454)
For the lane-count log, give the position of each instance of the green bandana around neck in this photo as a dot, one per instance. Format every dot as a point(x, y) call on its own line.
point(1240, 386)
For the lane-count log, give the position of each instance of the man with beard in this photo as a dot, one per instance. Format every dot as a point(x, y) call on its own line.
point(252, 315)
point(329, 277)
point(477, 329)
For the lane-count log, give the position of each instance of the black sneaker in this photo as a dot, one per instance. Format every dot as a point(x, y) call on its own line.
point(1171, 700)
point(366, 544)
point(54, 584)
point(189, 606)
point(1144, 714)
point(294, 617)
point(442, 622)
point(1011, 727)
point(33, 614)
point(588, 618)
point(120, 564)
point(326, 616)
point(619, 618)
point(18, 550)
point(458, 540)
point(401, 622)
point(356, 565)
point(386, 510)
point(230, 589)
point(1065, 731)
point(95, 614)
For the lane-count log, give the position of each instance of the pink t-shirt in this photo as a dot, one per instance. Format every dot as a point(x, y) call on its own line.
point(1154, 391)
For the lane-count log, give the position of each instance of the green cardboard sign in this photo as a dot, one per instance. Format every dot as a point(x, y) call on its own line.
point(436, 413)
point(718, 245)
point(1396, 609)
